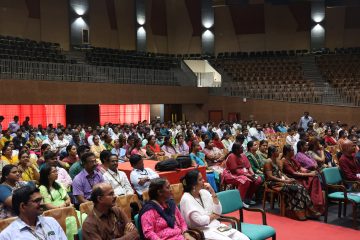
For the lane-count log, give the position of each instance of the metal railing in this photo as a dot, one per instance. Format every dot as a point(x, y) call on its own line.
point(14, 69)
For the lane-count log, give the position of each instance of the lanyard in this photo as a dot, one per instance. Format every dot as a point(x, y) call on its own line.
point(36, 235)
point(118, 181)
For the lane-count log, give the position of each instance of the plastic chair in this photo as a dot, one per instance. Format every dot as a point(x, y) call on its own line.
point(231, 201)
point(333, 181)
point(177, 191)
point(86, 207)
point(124, 203)
point(60, 215)
point(6, 222)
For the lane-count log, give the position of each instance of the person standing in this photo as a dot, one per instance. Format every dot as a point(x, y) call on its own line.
point(304, 121)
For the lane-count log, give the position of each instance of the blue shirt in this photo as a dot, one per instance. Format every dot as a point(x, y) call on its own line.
point(46, 228)
point(198, 158)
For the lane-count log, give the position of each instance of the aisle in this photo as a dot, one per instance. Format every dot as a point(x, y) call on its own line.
point(288, 229)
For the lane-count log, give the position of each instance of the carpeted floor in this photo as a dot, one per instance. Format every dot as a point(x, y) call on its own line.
point(288, 229)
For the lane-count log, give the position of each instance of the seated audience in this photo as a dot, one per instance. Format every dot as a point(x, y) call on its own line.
point(298, 201)
point(213, 155)
point(341, 138)
point(104, 158)
point(201, 208)
point(316, 152)
point(7, 155)
point(97, 148)
point(71, 157)
point(119, 150)
point(217, 142)
point(28, 171)
point(30, 224)
point(63, 176)
point(168, 148)
point(140, 177)
point(330, 137)
point(33, 143)
point(263, 150)
point(254, 159)
point(107, 221)
point(309, 179)
point(153, 149)
point(54, 195)
point(76, 168)
point(349, 166)
point(240, 173)
point(117, 179)
point(181, 146)
point(19, 141)
point(138, 150)
point(226, 141)
point(86, 179)
point(169, 223)
point(304, 160)
point(5, 138)
point(10, 180)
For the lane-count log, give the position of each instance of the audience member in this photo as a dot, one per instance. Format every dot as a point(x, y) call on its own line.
point(201, 208)
point(298, 203)
point(169, 222)
point(30, 225)
point(86, 179)
point(140, 177)
point(106, 221)
point(117, 179)
point(53, 193)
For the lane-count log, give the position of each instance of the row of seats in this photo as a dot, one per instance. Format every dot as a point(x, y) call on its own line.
point(342, 71)
point(16, 48)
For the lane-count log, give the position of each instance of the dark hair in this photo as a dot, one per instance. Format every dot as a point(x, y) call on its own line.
point(22, 195)
point(136, 142)
point(271, 150)
point(341, 133)
point(287, 148)
point(81, 149)
point(156, 185)
point(300, 145)
point(85, 156)
point(49, 155)
point(44, 146)
point(207, 141)
point(262, 142)
point(44, 178)
point(190, 180)
point(134, 159)
point(235, 147)
point(22, 153)
point(104, 156)
point(313, 143)
point(6, 171)
point(96, 192)
point(6, 145)
point(249, 145)
point(69, 147)
point(240, 138)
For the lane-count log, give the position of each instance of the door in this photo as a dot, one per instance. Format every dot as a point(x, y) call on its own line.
point(216, 116)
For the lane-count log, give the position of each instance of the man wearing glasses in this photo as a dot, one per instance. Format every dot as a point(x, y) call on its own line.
point(26, 202)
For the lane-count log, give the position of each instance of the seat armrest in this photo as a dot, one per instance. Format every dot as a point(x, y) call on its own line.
point(234, 222)
point(234, 219)
point(196, 233)
point(342, 188)
point(263, 214)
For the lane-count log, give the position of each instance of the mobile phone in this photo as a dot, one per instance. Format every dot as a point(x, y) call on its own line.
point(223, 228)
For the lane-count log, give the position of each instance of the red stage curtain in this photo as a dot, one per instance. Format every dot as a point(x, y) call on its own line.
point(124, 113)
point(39, 114)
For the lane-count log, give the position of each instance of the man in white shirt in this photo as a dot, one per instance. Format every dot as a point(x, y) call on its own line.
point(257, 133)
point(140, 177)
point(52, 142)
point(26, 203)
point(117, 179)
point(292, 139)
point(62, 143)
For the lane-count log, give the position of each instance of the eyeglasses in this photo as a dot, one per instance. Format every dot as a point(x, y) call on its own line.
point(36, 200)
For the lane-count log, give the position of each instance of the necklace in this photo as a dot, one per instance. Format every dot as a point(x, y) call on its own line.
point(117, 180)
point(199, 202)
